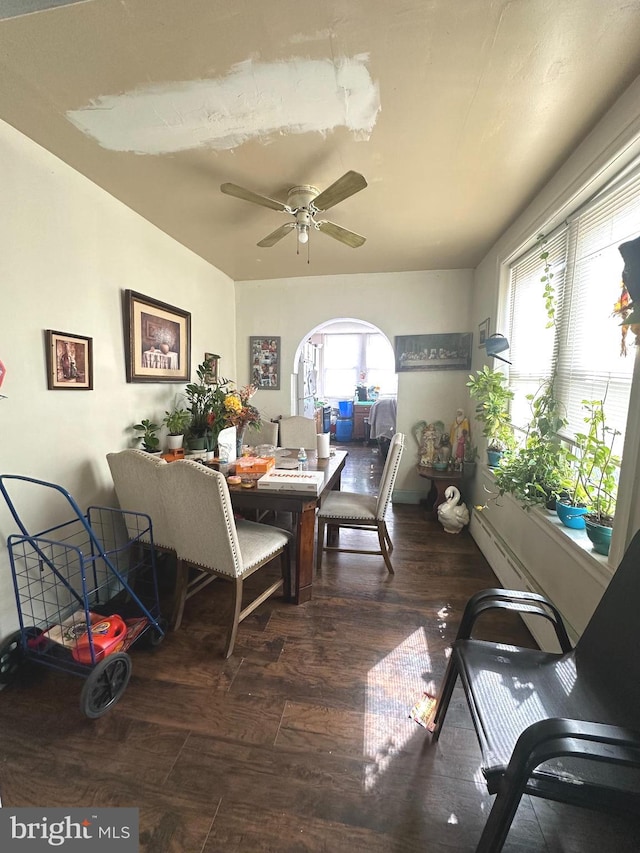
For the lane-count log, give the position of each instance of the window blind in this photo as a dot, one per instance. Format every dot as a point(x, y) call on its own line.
point(583, 346)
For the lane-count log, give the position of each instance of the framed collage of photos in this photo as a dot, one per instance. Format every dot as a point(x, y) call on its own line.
point(264, 358)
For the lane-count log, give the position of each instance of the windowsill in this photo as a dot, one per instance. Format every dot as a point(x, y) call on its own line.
point(575, 542)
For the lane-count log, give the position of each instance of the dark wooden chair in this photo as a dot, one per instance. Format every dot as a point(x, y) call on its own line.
point(562, 726)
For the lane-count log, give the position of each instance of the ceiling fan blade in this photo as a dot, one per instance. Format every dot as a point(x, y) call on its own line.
point(349, 184)
point(349, 238)
point(276, 235)
point(247, 195)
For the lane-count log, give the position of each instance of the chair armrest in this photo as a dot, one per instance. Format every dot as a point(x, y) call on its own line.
point(559, 737)
point(517, 601)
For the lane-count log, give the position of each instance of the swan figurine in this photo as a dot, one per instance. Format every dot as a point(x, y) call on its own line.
point(452, 515)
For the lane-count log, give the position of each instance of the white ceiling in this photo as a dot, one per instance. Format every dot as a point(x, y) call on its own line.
point(455, 111)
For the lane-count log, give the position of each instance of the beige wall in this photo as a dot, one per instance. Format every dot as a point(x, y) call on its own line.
point(68, 251)
point(406, 303)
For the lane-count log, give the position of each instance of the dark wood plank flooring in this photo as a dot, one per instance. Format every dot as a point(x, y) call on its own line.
point(301, 741)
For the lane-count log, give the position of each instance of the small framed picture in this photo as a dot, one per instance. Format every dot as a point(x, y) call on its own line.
point(69, 361)
point(264, 361)
point(483, 332)
point(212, 374)
point(157, 340)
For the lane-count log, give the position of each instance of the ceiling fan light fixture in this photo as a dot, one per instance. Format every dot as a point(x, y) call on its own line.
point(303, 233)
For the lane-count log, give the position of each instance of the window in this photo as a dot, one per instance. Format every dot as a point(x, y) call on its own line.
point(583, 346)
point(341, 354)
point(348, 357)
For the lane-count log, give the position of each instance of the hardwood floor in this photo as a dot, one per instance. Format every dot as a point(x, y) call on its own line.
point(301, 741)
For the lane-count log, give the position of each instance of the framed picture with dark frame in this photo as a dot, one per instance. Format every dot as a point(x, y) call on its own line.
point(264, 361)
point(157, 340)
point(69, 361)
point(444, 351)
point(483, 332)
point(212, 374)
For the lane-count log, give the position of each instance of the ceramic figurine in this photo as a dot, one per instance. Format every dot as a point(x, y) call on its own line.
point(453, 515)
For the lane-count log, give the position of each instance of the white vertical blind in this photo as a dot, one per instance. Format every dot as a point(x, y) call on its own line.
point(532, 340)
point(584, 344)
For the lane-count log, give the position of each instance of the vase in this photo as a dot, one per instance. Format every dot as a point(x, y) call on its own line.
point(197, 442)
point(239, 441)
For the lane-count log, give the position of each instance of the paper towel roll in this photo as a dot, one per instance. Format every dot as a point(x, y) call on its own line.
point(323, 445)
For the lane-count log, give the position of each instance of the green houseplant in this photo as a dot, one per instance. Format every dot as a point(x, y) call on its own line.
point(149, 437)
point(595, 475)
point(212, 405)
point(177, 423)
point(200, 401)
point(538, 470)
point(490, 390)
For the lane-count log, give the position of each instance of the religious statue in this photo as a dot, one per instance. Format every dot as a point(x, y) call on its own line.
point(459, 436)
point(428, 436)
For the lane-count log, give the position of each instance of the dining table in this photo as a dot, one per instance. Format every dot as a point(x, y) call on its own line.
point(303, 508)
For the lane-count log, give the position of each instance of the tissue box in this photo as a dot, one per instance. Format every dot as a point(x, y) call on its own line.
point(254, 464)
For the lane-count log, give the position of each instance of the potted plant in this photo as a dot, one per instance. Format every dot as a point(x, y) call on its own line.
point(595, 482)
point(538, 470)
point(212, 406)
point(177, 423)
point(489, 388)
point(149, 437)
point(200, 400)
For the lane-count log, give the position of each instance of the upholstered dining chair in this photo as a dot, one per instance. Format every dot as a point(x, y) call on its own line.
point(207, 536)
point(562, 726)
point(266, 433)
point(298, 432)
point(136, 478)
point(139, 481)
point(362, 512)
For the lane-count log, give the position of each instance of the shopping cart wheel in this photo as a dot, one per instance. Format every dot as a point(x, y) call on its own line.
point(155, 637)
point(105, 685)
point(152, 637)
point(11, 656)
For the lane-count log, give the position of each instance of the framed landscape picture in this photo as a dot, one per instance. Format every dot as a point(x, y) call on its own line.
point(69, 361)
point(444, 351)
point(157, 340)
point(264, 361)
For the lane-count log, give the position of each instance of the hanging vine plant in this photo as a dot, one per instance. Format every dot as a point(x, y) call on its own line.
point(548, 293)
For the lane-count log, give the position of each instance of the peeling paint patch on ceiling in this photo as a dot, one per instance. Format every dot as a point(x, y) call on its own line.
point(256, 100)
point(17, 8)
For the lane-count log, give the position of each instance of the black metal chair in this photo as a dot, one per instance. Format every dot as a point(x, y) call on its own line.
point(563, 726)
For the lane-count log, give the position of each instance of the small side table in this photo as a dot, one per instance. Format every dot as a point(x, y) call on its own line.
point(439, 481)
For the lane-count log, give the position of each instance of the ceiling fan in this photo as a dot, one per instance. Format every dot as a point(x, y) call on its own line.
point(303, 203)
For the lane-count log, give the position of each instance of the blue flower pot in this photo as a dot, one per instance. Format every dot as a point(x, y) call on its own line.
point(493, 458)
point(600, 536)
point(571, 516)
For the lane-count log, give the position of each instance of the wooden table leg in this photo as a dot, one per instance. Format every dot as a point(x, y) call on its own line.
point(305, 541)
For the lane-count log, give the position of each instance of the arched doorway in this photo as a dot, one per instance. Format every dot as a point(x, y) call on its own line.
point(336, 356)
